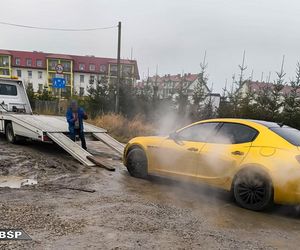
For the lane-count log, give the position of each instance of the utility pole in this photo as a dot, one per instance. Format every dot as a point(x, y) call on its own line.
point(118, 69)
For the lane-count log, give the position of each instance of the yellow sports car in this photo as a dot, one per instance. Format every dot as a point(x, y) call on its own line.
point(258, 161)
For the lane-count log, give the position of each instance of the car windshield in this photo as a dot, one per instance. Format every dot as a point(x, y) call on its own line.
point(292, 135)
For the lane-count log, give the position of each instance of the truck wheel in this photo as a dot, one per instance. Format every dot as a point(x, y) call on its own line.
point(253, 190)
point(136, 163)
point(9, 133)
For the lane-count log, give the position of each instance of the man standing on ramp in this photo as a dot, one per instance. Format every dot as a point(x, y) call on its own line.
point(75, 116)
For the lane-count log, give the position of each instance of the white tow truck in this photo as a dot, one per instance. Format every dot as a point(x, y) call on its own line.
point(18, 122)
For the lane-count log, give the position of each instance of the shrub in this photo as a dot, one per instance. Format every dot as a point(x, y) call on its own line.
point(122, 128)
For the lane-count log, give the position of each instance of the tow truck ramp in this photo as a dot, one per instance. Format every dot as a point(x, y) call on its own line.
point(56, 128)
point(72, 148)
point(110, 142)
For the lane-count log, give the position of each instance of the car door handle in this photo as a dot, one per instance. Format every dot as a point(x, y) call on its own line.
point(193, 149)
point(237, 152)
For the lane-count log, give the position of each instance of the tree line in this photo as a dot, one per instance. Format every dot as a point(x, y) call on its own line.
point(266, 103)
point(270, 102)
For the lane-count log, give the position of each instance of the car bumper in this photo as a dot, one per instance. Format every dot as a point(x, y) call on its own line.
point(288, 193)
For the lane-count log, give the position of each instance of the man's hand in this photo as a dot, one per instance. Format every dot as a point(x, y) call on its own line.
point(75, 118)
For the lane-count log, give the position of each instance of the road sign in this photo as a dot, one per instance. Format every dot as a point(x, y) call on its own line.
point(58, 83)
point(59, 68)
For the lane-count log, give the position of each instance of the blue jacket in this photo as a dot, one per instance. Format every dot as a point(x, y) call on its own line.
point(81, 117)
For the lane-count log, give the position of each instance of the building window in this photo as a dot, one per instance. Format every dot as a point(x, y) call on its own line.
point(68, 79)
point(18, 61)
point(40, 88)
point(102, 68)
point(66, 65)
point(39, 63)
point(52, 64)
point(4, 72)
point(92, 67)
point(4, 61)
point(4, 65)
point(81, 66)
point(29, 74)
point(127, 70)
point(81, 91)
point(40, 74)
point(19, 73)
point(113, 70)
point(81, 78)
point(28, 62)
point(30, 85)
point(92, 79)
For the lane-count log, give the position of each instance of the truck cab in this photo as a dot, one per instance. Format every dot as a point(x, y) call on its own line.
point(13, 97)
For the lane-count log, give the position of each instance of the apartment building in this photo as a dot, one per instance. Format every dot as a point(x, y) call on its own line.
point(37, 68)
point(167, 86)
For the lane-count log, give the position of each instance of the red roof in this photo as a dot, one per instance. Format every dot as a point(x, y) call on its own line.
point(176, 79)
point(258, 86)
point(99, 62)
point(4, 52)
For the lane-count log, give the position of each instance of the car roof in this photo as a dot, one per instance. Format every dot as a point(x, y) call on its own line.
point(268, 124)
point(246, 121)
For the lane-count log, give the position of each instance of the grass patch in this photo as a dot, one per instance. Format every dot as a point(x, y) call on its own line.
point(122, 128)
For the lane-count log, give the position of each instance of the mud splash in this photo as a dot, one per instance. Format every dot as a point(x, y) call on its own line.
point(16, 182)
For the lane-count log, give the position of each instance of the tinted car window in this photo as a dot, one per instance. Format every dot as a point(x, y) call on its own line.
point(7, 89)
point(234, 133)
point(198, 132)
point(292, 135)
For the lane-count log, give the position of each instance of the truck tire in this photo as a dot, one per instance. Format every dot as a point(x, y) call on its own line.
point(9, 133)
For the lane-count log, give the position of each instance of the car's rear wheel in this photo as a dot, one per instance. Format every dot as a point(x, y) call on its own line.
point(136, 163)
point(9, 133)
point(253, 190)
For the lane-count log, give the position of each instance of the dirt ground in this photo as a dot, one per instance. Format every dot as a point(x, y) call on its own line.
point(124, 212)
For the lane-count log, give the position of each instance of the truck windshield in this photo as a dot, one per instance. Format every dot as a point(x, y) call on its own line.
point(7, 89)
point(292, 135)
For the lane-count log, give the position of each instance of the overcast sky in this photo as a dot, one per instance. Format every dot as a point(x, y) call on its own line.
point(171, 33)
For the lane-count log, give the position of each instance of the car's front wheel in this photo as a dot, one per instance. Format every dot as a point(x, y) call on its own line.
point(253, 190)
point(136, 163)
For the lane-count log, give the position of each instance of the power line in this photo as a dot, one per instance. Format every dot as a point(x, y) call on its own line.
point(56, 29)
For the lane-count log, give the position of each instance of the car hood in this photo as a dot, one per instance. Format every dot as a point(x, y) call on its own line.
point(148, 140)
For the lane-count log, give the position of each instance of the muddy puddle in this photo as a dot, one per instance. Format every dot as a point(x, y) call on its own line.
point(16, 181)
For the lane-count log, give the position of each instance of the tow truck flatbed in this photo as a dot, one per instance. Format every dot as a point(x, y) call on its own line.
point(17, 121)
